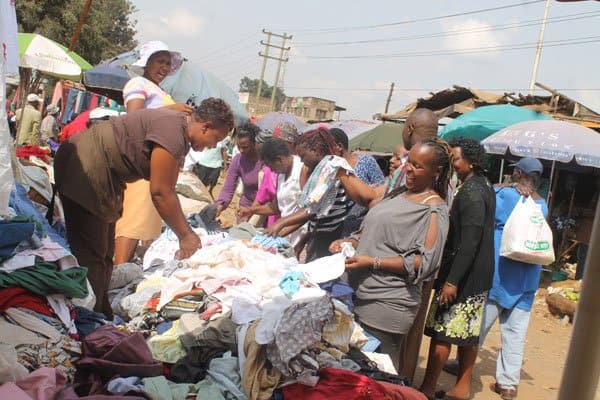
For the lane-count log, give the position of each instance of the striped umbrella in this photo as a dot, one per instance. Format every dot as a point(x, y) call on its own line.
point(39, 52)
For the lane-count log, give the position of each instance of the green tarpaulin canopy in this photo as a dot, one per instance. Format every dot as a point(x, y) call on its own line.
point(382, 139)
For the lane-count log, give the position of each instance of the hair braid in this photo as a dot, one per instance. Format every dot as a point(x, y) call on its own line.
point(443, 159)
point(319, 139)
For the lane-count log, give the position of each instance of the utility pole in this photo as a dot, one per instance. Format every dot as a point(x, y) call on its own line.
point(264, 65)
point(389, 98)
point(538, 52)
point(283, 49)
point(280, 60)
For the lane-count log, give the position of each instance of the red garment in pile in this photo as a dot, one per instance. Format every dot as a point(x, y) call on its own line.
point(19, 297)
point(28, 151)
point(77, 125)
point(344, 385)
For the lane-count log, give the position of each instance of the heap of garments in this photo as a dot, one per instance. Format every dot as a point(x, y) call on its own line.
point(235, 321)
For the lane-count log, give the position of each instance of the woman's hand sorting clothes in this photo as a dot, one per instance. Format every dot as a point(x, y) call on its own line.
point(359, 262)
point(182, 107)
point(275, 228)
point(447, 295)
point(244, 212)
point(336, 246)
point(188, 245)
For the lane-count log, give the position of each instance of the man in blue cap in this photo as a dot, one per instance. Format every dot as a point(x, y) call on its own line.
point(515, 283)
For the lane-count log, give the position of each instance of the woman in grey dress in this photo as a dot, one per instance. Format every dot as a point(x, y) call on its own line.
point(400, 245)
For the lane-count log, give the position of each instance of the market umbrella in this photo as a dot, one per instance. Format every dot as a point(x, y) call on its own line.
point(483, 121)
point(552, 140)
point(192, 84)
point(49, 57)
point(274, 119)
point(383, 138)
point(352, 128)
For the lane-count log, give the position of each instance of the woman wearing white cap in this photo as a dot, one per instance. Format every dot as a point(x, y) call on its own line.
point(140, 220)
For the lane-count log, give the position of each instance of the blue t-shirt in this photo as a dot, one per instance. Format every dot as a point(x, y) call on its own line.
point(515, 282)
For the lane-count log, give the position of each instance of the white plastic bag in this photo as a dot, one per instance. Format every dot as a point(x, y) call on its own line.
point(526, 236)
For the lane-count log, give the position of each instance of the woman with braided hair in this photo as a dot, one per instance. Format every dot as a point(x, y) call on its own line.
point(399, 246)
point(325, 199)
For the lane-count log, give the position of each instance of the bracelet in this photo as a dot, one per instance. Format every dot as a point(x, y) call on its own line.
point(376, 263)
point(449, 284)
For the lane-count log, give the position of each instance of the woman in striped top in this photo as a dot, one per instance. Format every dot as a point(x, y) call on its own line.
point(325, 200)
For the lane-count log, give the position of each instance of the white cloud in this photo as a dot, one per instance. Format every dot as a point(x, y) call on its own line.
point(478, 36)
point(182, 21)
point(179, 22)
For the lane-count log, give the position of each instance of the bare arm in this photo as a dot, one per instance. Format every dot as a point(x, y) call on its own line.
point(164, 169)
point(296, 219)
point(358, 191)
point(140, 104)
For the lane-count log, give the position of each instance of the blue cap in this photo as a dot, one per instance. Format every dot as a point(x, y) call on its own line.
point(529, 165)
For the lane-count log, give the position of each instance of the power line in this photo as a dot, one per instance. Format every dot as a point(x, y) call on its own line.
point(472, 50)
point(228, 47)
point(315, 31)
point(432, 90)
point(457, 32)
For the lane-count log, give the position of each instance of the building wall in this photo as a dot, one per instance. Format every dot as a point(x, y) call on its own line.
point(310, 108)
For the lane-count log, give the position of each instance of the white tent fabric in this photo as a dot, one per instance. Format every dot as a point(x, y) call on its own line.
point(8, 63)
point(8, 37)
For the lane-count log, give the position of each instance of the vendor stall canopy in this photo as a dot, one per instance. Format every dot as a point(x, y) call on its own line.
point(483, 121)
point(459, 100)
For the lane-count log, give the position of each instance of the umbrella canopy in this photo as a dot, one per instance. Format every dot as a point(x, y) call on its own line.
point(483, 121)
point(549, 140)
point(193, 84)
point(106, 76)
point(274, 119)
point(352, 128)
point(383, 138)
point(49, 57)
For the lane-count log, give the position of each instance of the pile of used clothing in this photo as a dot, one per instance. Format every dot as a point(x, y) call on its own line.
point(240, 319)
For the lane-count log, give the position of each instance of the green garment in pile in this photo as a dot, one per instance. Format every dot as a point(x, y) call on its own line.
point(45, 279)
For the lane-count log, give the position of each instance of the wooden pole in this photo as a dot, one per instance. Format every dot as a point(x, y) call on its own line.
point(582, 368)
point(82, 16)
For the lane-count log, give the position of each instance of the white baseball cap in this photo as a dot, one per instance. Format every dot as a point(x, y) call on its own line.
point(154, 46)
point(31, 97)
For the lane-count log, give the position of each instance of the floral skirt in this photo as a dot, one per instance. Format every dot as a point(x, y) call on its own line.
point(458, 324)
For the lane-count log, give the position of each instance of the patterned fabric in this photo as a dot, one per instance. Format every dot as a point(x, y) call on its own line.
point(144, 89)
point(61, 355)
point(368, 170)
point(321, 189)
point(300, 327)
point(460, 324)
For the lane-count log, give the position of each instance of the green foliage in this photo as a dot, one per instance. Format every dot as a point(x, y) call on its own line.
point(251, 86)
point(108, 29)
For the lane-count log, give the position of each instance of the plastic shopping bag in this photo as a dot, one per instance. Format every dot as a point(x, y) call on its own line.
point(527, 237)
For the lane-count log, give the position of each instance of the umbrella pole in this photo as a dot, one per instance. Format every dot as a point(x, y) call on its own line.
point(582, 368)
point(551, 188)
point(501, 170)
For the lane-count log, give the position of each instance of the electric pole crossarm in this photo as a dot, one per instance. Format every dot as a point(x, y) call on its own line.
point(273, 58)
point(272, 45)
point(266, 32)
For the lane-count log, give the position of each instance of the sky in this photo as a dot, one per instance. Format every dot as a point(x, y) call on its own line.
point(422, 46)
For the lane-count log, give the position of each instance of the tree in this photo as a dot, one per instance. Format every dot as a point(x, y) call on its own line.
point(251, 86)
point(108, 29)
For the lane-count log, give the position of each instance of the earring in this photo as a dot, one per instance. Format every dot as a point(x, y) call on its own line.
point(471, 166)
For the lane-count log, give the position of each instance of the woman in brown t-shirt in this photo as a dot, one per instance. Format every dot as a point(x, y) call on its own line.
point(92, 168)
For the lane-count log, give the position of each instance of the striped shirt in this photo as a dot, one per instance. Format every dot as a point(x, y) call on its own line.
point(336, 215)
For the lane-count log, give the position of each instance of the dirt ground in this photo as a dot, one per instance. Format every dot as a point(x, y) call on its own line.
point(546, 349)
